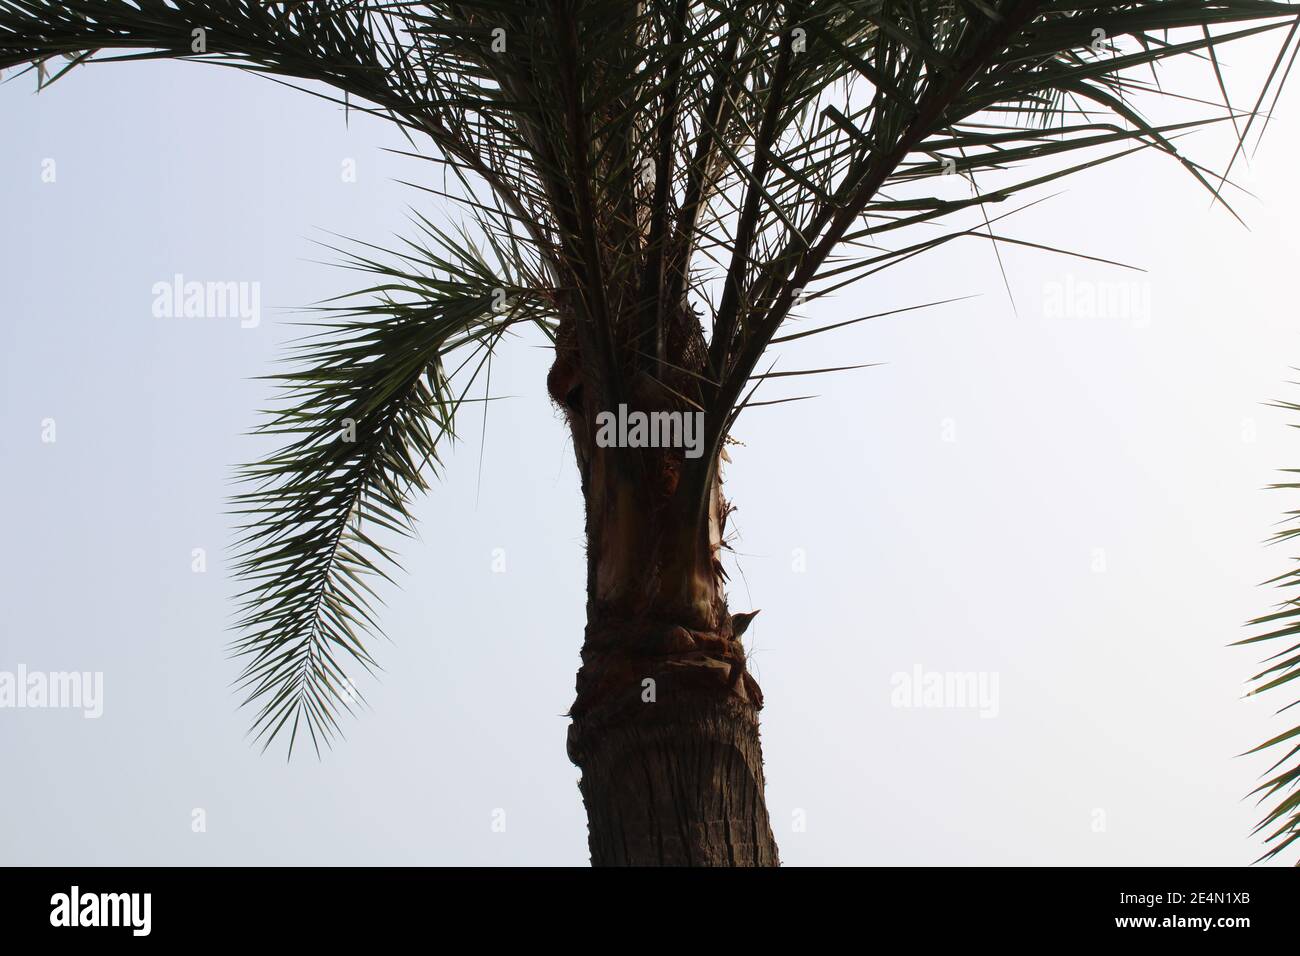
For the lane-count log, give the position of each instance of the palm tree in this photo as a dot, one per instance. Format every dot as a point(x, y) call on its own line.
point(658, 187)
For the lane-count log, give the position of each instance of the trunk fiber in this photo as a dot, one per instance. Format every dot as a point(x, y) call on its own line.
point(674, 782)
point(665, 723)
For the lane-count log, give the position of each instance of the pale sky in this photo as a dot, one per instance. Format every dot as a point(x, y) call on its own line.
point(1068, 502)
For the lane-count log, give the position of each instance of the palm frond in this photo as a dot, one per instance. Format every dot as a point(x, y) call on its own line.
point(677, 151)
point(932, 88)
point(1281, 824)
point(371, 399)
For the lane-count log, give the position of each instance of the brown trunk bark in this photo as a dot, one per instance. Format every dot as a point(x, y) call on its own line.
point(665, 722)
point(677, 781)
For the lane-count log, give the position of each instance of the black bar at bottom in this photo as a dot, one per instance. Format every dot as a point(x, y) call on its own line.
point(338, 906)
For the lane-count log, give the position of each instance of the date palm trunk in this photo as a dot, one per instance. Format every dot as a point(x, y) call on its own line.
point(665, 722)
point(673, 781)
point(665, 731)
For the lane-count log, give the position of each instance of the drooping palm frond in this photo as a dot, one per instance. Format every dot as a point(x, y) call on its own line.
point(372, 397)
point(362, 51)
point(335, 42)
point(1281, 824)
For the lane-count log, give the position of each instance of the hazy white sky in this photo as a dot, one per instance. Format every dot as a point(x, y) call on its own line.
point(1068, 502)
